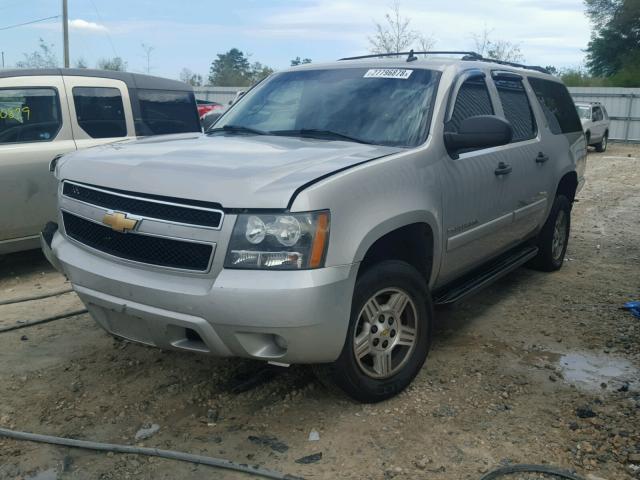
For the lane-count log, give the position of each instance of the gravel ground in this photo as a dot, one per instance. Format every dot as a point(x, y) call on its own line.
point(539, 368)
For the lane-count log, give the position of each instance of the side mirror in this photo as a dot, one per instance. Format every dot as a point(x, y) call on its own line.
point(481, 131)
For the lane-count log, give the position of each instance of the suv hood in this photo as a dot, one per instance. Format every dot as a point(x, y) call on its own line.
point(236, 171)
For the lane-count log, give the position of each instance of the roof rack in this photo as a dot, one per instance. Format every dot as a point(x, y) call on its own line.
point(411, 56)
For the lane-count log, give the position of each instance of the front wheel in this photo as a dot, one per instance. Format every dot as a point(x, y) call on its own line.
point(389, 333)
point(554, 236)
point(602, 146)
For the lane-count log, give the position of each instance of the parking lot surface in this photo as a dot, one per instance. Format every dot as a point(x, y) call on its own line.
point(539, 368)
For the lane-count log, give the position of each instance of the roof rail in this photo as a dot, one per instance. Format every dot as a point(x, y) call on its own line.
point(411, 56)
point(411, 53)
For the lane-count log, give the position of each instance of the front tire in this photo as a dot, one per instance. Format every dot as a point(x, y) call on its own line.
point(554, 236)
point(389, 333)
point(602, 146)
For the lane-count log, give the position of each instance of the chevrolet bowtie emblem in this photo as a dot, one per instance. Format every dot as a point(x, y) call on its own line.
point(119, 221)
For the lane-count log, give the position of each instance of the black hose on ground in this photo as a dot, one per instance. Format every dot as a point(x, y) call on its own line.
point(152, 452)
point(43, 320)
point(35, 297)
point(524, 468)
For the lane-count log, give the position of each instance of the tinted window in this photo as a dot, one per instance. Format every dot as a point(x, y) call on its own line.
point(597, 114)
point(517, 109)
point(100, 112)
point(165, 112)
point(374, 105)
point(29, 115)
point(473, 99)
point(557, 105)
point(584, 112)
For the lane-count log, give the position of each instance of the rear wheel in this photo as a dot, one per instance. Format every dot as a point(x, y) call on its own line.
point(554, 236)
point(389, 333)
point(602, 146)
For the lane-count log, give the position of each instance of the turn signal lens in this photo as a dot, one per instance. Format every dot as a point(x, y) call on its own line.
point(319, 241)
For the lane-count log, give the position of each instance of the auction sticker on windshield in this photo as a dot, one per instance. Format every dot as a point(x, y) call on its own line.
point(400, 73)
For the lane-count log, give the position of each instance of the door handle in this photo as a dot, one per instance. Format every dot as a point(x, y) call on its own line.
point(503, 169)
point(541, 158)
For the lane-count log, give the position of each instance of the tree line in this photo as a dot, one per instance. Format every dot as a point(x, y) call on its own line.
point(613, 53)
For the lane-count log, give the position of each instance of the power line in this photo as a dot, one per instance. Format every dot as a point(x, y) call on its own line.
point(106, 31)
point(29, 23)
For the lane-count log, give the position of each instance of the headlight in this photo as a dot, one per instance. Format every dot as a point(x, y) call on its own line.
point(292, 241)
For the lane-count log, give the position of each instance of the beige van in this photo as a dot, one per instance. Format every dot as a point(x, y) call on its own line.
point(49, 112)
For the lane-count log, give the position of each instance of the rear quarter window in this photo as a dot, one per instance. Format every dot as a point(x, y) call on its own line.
point(166, 111)
point(557, 105)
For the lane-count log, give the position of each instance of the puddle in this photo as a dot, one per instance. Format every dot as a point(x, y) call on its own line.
point(49, 474)
point(588, 371)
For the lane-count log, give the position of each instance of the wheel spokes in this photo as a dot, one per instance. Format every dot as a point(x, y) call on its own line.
point(362, 344)
point(407, 336)
point(398, 302)
point(383, 363)
point(371, 310)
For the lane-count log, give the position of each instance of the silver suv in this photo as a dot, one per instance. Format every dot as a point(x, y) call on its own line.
point(595, 123)
point(325, 214)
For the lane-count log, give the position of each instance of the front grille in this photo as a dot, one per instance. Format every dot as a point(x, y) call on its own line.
point(163, 252)
point(147, 207)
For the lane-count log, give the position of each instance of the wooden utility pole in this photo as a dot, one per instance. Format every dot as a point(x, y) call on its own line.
point(65, 32)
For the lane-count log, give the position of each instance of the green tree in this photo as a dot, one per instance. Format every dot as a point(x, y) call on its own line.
point(116, 64)
point(43, 57)
point(193, 79)
point(81, 63)
point(615, 41)
point(231, 69)
point(496, 49)
point(259, 71)
point(297, 61)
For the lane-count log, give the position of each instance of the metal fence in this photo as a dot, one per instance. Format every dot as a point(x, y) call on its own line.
point(622, 104)
point(623, 107)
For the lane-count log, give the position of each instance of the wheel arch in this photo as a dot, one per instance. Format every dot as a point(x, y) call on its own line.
point(568, 185)
point(411, 238)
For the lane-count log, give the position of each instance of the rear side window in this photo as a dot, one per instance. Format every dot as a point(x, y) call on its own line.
point(597, 114)
point(164, 112)
point(517, 109)
point(100, 112)
point(29, 115)
point(473, 99)
point(557, 105)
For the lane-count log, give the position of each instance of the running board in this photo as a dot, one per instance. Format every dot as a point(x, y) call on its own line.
point(471, 284)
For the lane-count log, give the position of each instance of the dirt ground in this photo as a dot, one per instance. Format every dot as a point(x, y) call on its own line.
point(539, 368)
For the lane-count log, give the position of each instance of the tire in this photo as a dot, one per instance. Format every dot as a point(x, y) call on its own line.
point(602, 146)
point(552, 242)
point(393, 351)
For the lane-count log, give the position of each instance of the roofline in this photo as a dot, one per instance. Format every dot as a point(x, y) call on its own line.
point(132, 80)
point(466, 55)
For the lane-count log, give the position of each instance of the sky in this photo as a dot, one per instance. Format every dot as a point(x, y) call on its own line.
point(189, 33)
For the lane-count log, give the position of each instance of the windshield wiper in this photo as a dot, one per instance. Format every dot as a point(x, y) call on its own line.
point(317, 133)
point(237, 129)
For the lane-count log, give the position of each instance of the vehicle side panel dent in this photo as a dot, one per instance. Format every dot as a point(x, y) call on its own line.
point(372, 200)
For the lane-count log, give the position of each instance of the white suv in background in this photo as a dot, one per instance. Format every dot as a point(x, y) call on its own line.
point(595, 123)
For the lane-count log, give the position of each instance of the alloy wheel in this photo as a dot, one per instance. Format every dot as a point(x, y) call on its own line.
point(386, 333)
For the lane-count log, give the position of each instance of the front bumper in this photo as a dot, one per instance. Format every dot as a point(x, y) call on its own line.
point(287, 317)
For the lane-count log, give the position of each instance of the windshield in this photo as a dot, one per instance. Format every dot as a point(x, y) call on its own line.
point(584, 112)
point(379, 106)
